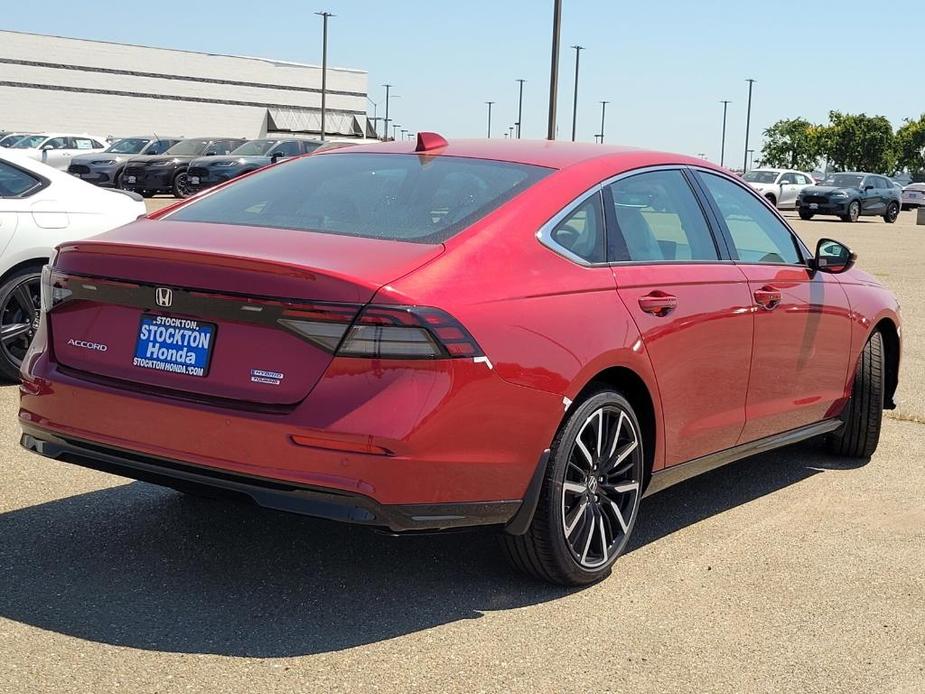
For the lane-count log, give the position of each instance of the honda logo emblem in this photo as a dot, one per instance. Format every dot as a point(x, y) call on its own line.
point(164, 296)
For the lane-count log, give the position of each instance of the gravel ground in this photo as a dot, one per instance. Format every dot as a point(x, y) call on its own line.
point(791, 571)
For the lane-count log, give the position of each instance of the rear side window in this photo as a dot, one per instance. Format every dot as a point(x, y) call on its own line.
point(659, 219)
point(582, 231)
point(15, 182)
point(401, 197)
point(757, 234)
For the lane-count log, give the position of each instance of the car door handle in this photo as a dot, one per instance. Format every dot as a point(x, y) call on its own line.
point(768, 297)
point(658, 303)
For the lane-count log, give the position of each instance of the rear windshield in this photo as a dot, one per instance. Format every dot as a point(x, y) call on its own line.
point(403, 197)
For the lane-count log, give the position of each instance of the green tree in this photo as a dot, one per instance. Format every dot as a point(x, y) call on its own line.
point(910, 145)
point(858, 142)
point(791, 143)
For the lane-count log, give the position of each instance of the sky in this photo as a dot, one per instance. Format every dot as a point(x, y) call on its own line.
point(664, 65)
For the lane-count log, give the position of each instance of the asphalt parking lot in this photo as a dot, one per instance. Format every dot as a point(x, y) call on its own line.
point(791, 571)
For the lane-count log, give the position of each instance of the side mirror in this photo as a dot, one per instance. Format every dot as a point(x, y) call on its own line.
point(868, 187)
point(833, 257)
point(275, 157)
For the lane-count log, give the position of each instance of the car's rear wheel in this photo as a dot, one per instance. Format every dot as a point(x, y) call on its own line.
point(892, 212)
point(859, 435)
point(805, 215)
point(590, 495)
point(181, 185)
point(854, 211)
point(19, 318)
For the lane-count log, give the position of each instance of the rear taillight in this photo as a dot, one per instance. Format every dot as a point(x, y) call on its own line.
point(388, 332)
point(54, 288)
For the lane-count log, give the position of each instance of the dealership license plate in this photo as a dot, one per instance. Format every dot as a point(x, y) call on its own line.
point(194, 180)
point(174, 345)
point(129, 179)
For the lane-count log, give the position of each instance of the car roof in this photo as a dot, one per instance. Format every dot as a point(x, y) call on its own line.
point(548, 153)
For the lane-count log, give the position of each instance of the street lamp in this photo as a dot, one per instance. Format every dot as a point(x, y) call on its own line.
point(748, 119)
point(395, 128)
point(489, 116)
point(520, 106)
point(722, 151)
point(578, 50)
point(603, 111)
point(385, 129)
point(324, 66)
point(404, 134)
point(748, 158)
point(554, 70)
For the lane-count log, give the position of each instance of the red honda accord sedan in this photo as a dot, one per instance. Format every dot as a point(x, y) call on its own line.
point(423, 336)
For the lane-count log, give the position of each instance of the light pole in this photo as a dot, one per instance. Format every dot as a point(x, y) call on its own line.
point(510, 131)
point(722, 150)
point(578, 50)
point(520, 106)
point(748, 158)
point(603, 111)
point(748, 120)
point(324, 66)
point(395, 128)
point(489, 116)
point(404, 134)
point(385, 129)
point(554, 70)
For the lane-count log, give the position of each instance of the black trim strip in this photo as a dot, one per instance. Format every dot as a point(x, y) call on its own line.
point(521, 521)
point(279, 495)
point(679, 473)
point(185, 78)
point(170, 97)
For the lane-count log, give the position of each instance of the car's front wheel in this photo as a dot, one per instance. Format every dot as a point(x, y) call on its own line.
point(805, 215)
point(892, 212)
point(19, 318)
point(859, 435)
point(854, 211)
point(590, 495)
point(181, 185)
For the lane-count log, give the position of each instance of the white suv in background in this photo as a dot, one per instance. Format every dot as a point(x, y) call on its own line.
point(780, 186)
point(56, 149)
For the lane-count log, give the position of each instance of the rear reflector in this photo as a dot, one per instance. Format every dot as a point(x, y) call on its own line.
point(338, 445)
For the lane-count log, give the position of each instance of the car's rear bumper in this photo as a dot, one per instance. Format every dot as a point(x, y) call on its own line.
point(274, 494)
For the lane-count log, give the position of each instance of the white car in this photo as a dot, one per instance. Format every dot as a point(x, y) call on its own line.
point(56, 149)
point(41, 207)
point(913, 196)
point(780, 186)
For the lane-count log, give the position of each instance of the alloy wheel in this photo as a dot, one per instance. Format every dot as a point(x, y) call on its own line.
point(181, 186)
point(19, 318)
point(854, 211)
point(600, 492)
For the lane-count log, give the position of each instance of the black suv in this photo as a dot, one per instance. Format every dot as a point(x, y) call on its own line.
point(166, 173)
point(850, 195)
point(206, 172)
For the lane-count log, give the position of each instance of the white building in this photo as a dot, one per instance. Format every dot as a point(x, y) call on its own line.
point(75, 85)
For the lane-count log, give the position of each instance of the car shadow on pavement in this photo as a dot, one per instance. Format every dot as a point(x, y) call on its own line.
point(144, 567)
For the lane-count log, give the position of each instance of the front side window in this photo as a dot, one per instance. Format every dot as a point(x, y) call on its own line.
point(15, 182)
point(159, 146)
point(287, 148)
point(658, 218)
point(128, 145)
point(56, 143)
point(582, 231)
point(402, 197)
point(757, 234)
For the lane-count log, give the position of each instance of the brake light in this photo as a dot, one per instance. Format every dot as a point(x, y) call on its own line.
point(388, 332)
point(53, 288)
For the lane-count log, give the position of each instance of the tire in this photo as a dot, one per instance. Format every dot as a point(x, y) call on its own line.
point(805, 215)
point(892, 212)
point(180, 187)
point(19, 318)
point(117, 180)
point(148, 193)
point(904, 208)
point(771, 199)
point(581, 524)
point(860, 433)
point(854, 212)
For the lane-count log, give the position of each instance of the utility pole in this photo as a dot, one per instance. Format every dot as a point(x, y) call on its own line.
point(324, 67)
point(489, 116)
point(520, 106)
point(748, 121)
point(554, 70)
point(385, 129)
point(603, 111)
point(578, 50)
point(722, 150)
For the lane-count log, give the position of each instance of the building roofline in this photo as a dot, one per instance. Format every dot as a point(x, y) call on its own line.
point(272, 61)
